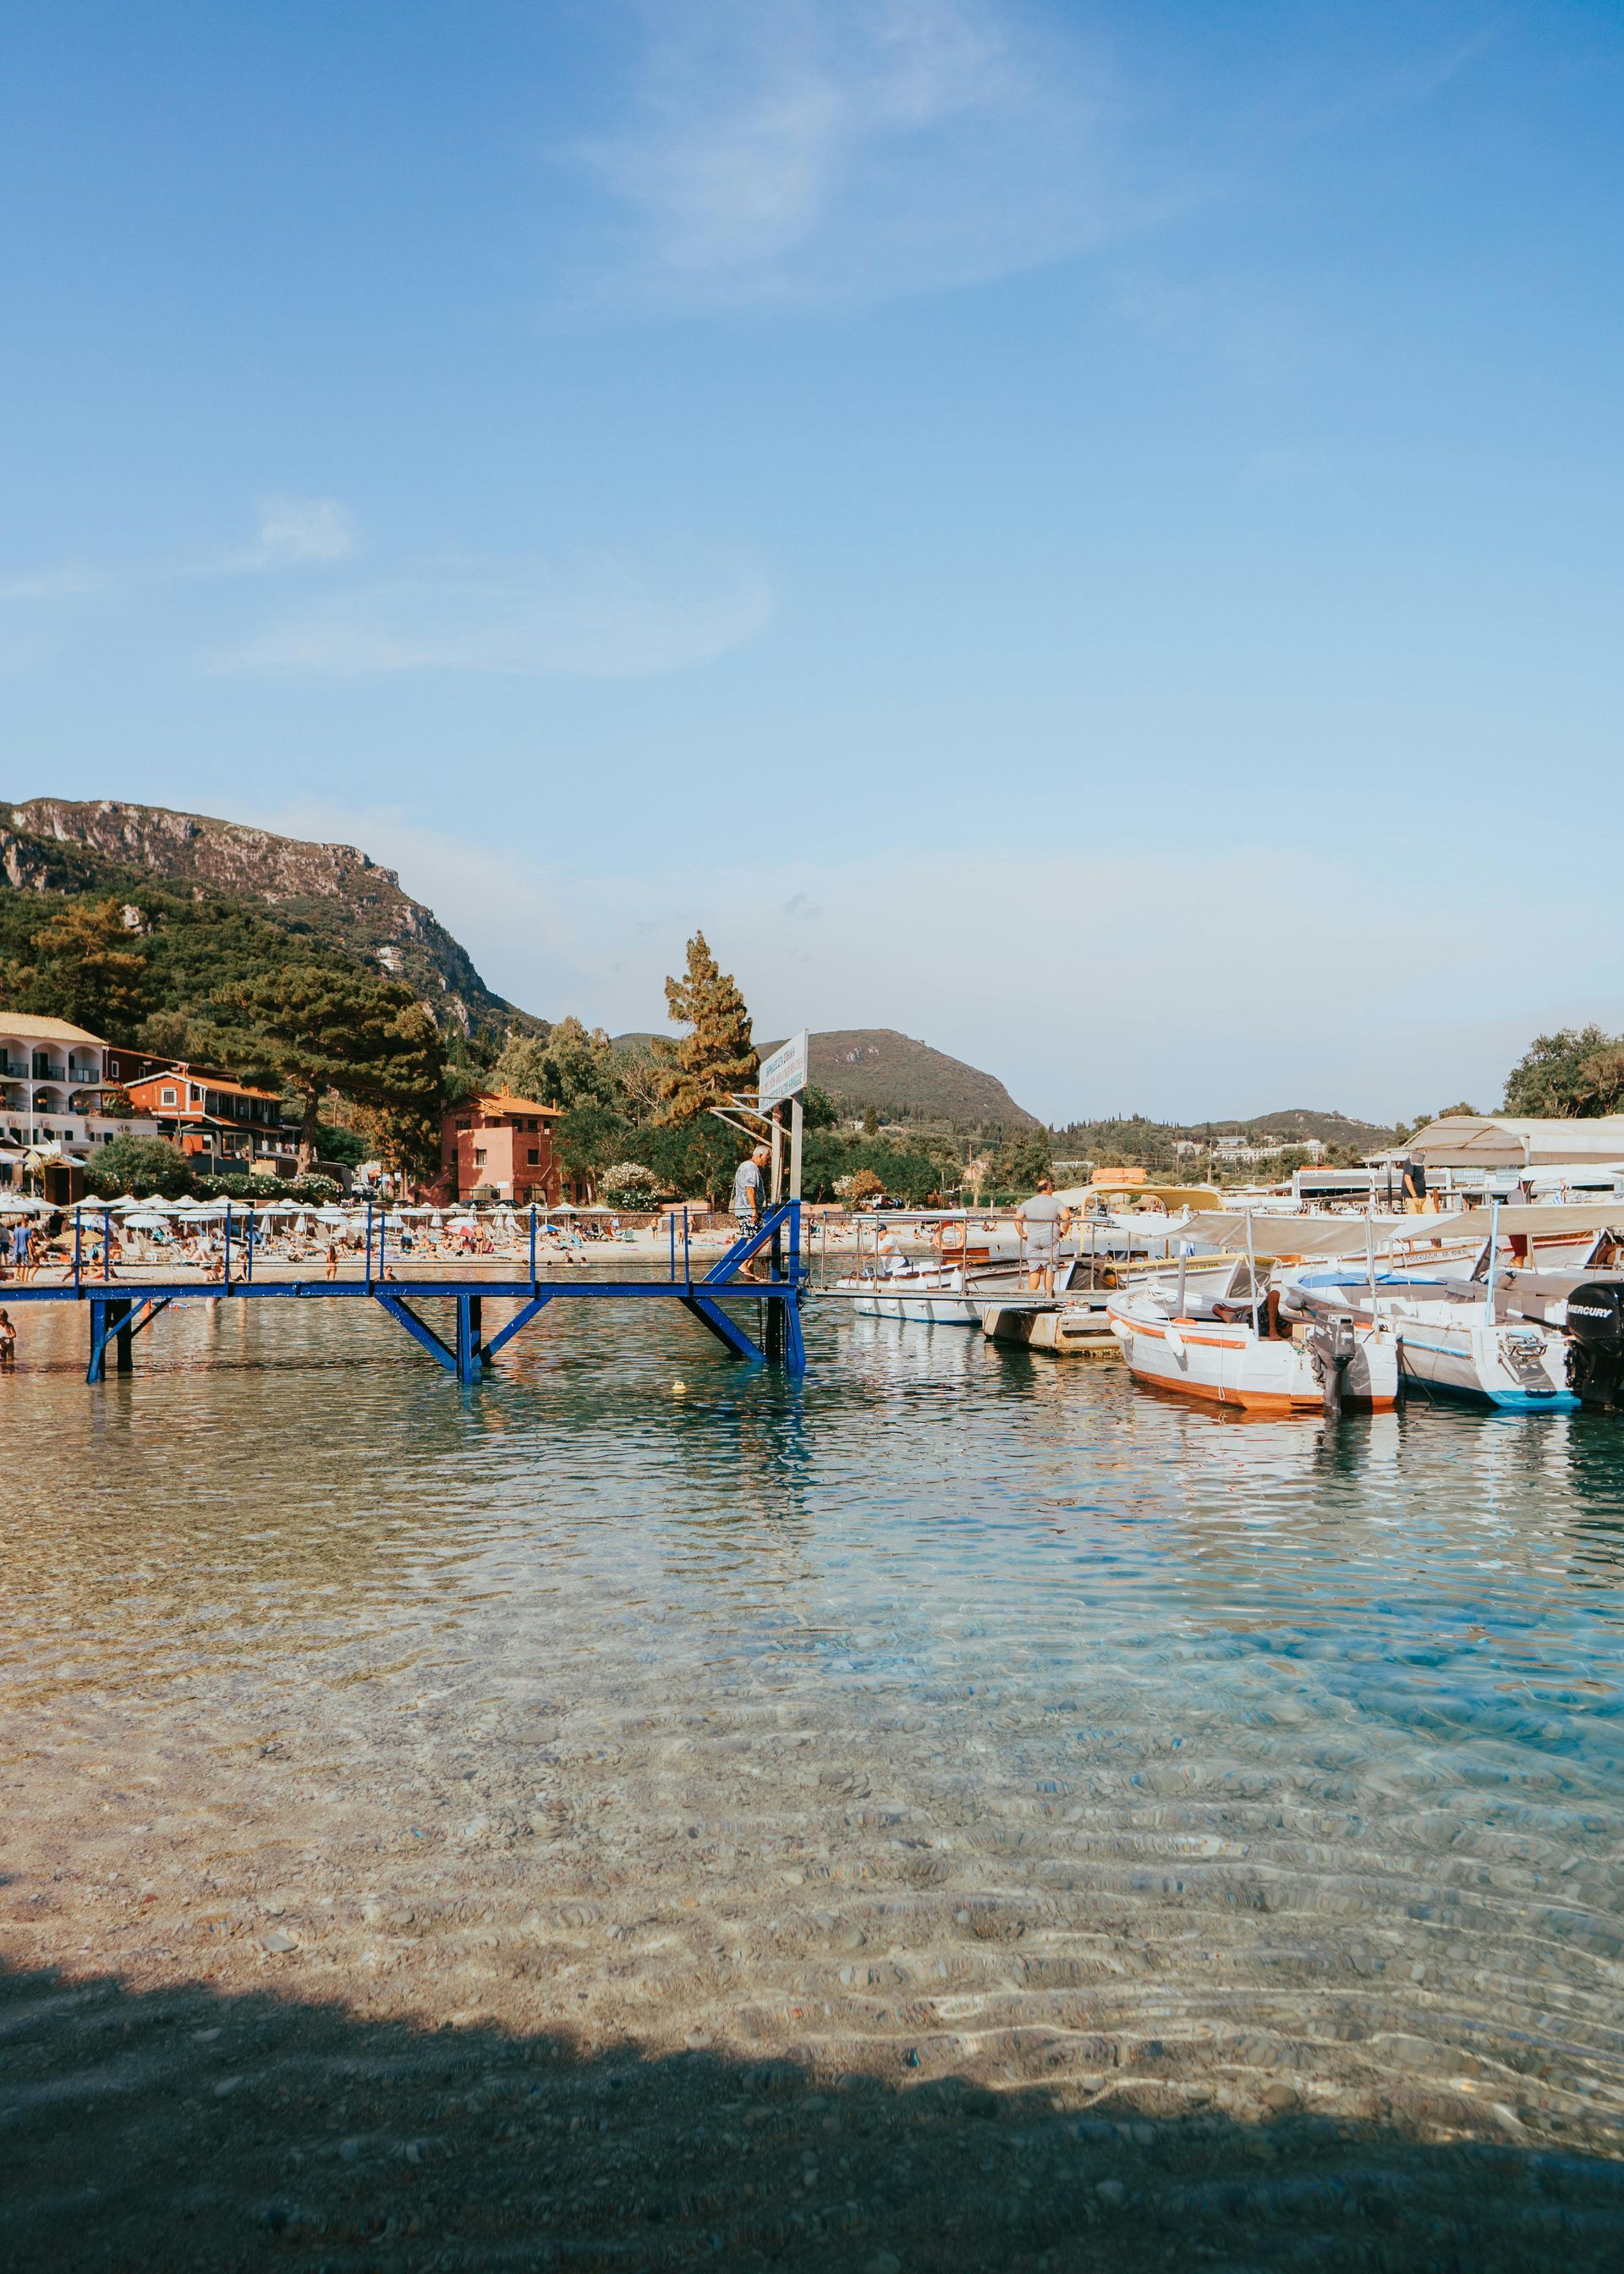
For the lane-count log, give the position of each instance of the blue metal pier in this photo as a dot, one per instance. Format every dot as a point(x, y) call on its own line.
point(120, 1309)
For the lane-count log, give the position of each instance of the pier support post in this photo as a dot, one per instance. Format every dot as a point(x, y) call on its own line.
point(471, 1358)
point(110, 1321)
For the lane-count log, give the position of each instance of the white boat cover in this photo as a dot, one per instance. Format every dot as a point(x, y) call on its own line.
point(1541, 1216)
point(1276, 1236)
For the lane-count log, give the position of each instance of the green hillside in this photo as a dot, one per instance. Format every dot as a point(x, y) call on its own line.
point(326, 897)
point(901, 1078)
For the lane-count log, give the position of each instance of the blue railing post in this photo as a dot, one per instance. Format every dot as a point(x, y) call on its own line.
point(107, 1247)
point(78, 1241)
point(794, 1344)
point(688, 1266)
point(532, 1247)
point(367, 1267)
point(227, 1276)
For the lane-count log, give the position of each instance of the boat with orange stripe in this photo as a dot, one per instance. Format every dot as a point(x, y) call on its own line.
point(1238, 1352)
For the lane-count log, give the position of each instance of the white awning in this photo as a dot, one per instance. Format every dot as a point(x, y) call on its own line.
point(1279, 1236)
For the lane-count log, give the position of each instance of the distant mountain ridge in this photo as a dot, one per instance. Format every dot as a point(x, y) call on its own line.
point(1299, 1121)
point(862, 1067)
point(344, 898)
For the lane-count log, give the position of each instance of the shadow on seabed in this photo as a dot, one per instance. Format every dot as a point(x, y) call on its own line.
point(182, 2129)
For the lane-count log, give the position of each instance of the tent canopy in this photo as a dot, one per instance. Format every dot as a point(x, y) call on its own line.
point(1469, 1140)
point(1275, 1236)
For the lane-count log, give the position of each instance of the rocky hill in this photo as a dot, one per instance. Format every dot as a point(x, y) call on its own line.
point(330, 892)
point(900, 1078)
point(1295, 1123)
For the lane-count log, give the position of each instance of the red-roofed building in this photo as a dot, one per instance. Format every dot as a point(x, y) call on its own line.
point(223, 1125)
point(500, 1147)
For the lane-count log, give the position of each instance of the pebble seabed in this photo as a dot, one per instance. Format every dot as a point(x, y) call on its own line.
point(970, 1816)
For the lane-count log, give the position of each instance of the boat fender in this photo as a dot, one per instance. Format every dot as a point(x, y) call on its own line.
point(1176, 1344)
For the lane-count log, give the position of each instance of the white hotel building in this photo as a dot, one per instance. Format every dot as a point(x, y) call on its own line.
point(51, 1078)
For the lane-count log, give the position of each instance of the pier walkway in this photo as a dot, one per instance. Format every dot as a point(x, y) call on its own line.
point(120, 1307)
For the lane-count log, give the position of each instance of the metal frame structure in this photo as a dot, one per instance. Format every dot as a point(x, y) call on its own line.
point(123, 1308)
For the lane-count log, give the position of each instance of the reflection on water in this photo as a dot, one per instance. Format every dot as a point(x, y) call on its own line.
point(955, 1705)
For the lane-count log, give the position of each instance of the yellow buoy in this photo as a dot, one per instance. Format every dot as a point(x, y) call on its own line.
point(678, 1388)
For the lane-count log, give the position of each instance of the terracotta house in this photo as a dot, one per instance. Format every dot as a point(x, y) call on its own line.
point(500, 1147)
point(222, 1123)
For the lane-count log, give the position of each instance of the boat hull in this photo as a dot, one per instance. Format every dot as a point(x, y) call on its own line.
point(1065, 1333)
point(1469, 1363)
point(1231, 1366)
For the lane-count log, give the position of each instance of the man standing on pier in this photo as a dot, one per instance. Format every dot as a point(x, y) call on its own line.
point(1044, 1220)
point(746, 1204)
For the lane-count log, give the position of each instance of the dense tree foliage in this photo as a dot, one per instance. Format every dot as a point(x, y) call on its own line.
point(317, 1029)
point(1576, 1075)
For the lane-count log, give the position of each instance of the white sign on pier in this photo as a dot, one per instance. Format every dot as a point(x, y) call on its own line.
point(783, 1073)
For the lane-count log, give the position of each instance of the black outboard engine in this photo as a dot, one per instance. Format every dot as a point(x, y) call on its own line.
point(1596, 1343)
point(1332, 1345)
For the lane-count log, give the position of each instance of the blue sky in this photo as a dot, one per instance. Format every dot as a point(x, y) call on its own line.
point(1089, 534)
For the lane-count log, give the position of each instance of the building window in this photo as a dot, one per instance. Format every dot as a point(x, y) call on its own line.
point(479, 1156)
point(535, 1158)
point(166, 1098)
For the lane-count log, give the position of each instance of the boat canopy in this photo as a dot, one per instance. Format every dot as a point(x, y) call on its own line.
point(1535, 1218)
point(1170, 1197)
point(1281, 1235)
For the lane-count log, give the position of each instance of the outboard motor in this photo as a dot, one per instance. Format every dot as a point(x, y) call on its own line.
point(1596, 1343)
point(1333, 1348)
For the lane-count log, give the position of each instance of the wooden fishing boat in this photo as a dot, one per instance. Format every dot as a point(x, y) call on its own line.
point(1215, 1352)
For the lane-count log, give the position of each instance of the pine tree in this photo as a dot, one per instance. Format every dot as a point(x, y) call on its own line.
point(317, 1029)
point(716, 1056)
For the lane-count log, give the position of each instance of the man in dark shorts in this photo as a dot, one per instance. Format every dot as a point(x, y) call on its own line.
point(746, 1204)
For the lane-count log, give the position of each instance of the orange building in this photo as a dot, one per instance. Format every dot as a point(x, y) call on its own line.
point(220, 1123)
point(500, 1147)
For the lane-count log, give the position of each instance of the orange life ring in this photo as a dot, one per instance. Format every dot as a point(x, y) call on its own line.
point(951, 1235)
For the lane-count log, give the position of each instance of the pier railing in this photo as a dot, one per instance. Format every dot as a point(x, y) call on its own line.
point(762, 1265)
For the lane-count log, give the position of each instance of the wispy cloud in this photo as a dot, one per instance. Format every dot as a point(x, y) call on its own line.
point(69, 581)
point(295, 531)
point(600, 618)
point(821, 149)
point(292, 533)
point(336, 613)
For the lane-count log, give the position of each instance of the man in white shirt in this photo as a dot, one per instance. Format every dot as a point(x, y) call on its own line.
point(1043, 1222)
point(746, 1204)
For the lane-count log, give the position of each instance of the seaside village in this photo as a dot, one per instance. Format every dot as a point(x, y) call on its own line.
point(1482, 1260)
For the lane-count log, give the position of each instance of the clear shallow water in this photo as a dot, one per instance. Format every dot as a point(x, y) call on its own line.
point(959, 1709)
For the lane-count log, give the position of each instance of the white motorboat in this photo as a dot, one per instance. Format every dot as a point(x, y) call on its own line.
point(1458, 1347)
point(1075, 1322)
point(1218, 1350)
point(976, 1259)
